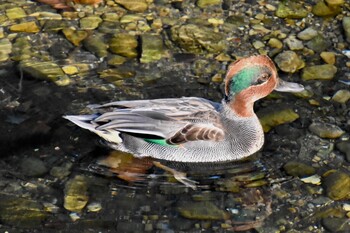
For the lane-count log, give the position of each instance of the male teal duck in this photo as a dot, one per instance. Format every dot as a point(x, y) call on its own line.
point(191, 129)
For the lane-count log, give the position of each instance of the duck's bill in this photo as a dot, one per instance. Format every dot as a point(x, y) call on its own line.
point(285, 86)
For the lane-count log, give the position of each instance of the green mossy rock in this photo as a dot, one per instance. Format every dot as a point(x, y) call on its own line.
point(124, 45)
point(299, 169)
point(202, 211)
point(337, 186)
point(319, 72)
point(277, 117)
point(198, 39)
point(133, 5)
point(75, 194)
point(152, 48)
point(291, 10)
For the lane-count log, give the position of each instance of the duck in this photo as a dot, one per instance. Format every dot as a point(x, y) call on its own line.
point(192, 129)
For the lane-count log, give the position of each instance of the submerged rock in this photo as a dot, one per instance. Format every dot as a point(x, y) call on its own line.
point(291, 10)
point(96, 45)
point(307, 34)
point(202, 211)
point(196, 39)
point(341, 96)
point(346, 27)
point(206, 3)
point(293, 43)
point(334, 224)
point(318, 43)
point(299, 169)
point(15, 13)
point(75, 194)
point(324, 10)
point(345, 148)
point(29, 27)
point(46, 70)
point(289, 61)
point(328, 57)
point(124, 44)
point(319, 72)
point(74, 36)
point(90, 22)
point(133, 5)
point(152, 48)
point(5, 49)
point(325, 130)
point(21, 212)
point(337, 185)
point(277, 117)
point(33, 167)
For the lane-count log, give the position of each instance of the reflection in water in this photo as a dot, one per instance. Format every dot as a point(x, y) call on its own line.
point(233, 195)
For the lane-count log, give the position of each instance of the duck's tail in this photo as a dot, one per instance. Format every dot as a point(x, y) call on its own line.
point(87, 122)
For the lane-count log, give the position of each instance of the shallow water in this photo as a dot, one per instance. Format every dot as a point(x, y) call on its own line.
point(56, 177)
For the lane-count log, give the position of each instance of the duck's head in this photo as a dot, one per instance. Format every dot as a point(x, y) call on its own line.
point(253, 78)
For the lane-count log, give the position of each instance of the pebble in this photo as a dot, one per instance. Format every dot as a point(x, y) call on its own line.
point(326, 130)
point(15, 13)
point(133, 5)
point(299, 169)
point(75, 194)
point(94, 207)
point(346, 27)
point(328, 57)
point(29, 27)
point(291, 10)
point(152, 48)
point(74, 36)
point(277, 117)
point(90, 22)
point(333, 224)
point(344, 147)
point(341, 96)
point(202, 211)
point(307, 34)
point(275, 43)
point(33, 166)
point(289, 61)
point(322, 9)
point(319, 72)
point(337, 185)
point(318, 43)
point(206, 3)
point(124, 45)
point(293, 43)
point(5, 49)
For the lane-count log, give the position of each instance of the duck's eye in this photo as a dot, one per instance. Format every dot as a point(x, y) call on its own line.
point(263, 78)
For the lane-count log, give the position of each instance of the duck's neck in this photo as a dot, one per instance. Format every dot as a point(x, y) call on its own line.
point(241, 107)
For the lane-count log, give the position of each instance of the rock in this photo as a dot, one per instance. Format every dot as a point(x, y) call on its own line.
point(196, 39)
point(291, 10)
point(96, 45)
point(345, 148)
point(325, 130)
point(275, 43)
point(324, 10)
point(116, 75)
point(45, 70)
point(202, 211)
point(307, 34)
point(75, 194)
point(276, 117)
point(5, 49)
point(258, 44)
point(289, 61)
point(335, 2)
point(55, 25)
point(74, 36)
point(116, 60)
point(124, 44)
point(152, 48)
point(133, 5)
point(318, 43)
point(21, 212)
point(29, 27)
point(70, 69)
point(15, 13)
point(346, 27)
point(90, 22)
point(328, 57)
point(298, 169)
point(293, 43)
point(333, 224)
point(341, 96)
point(33, 166)
point(319, 72)
point(61, 171)
point(206, 3)
point(337, 185)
